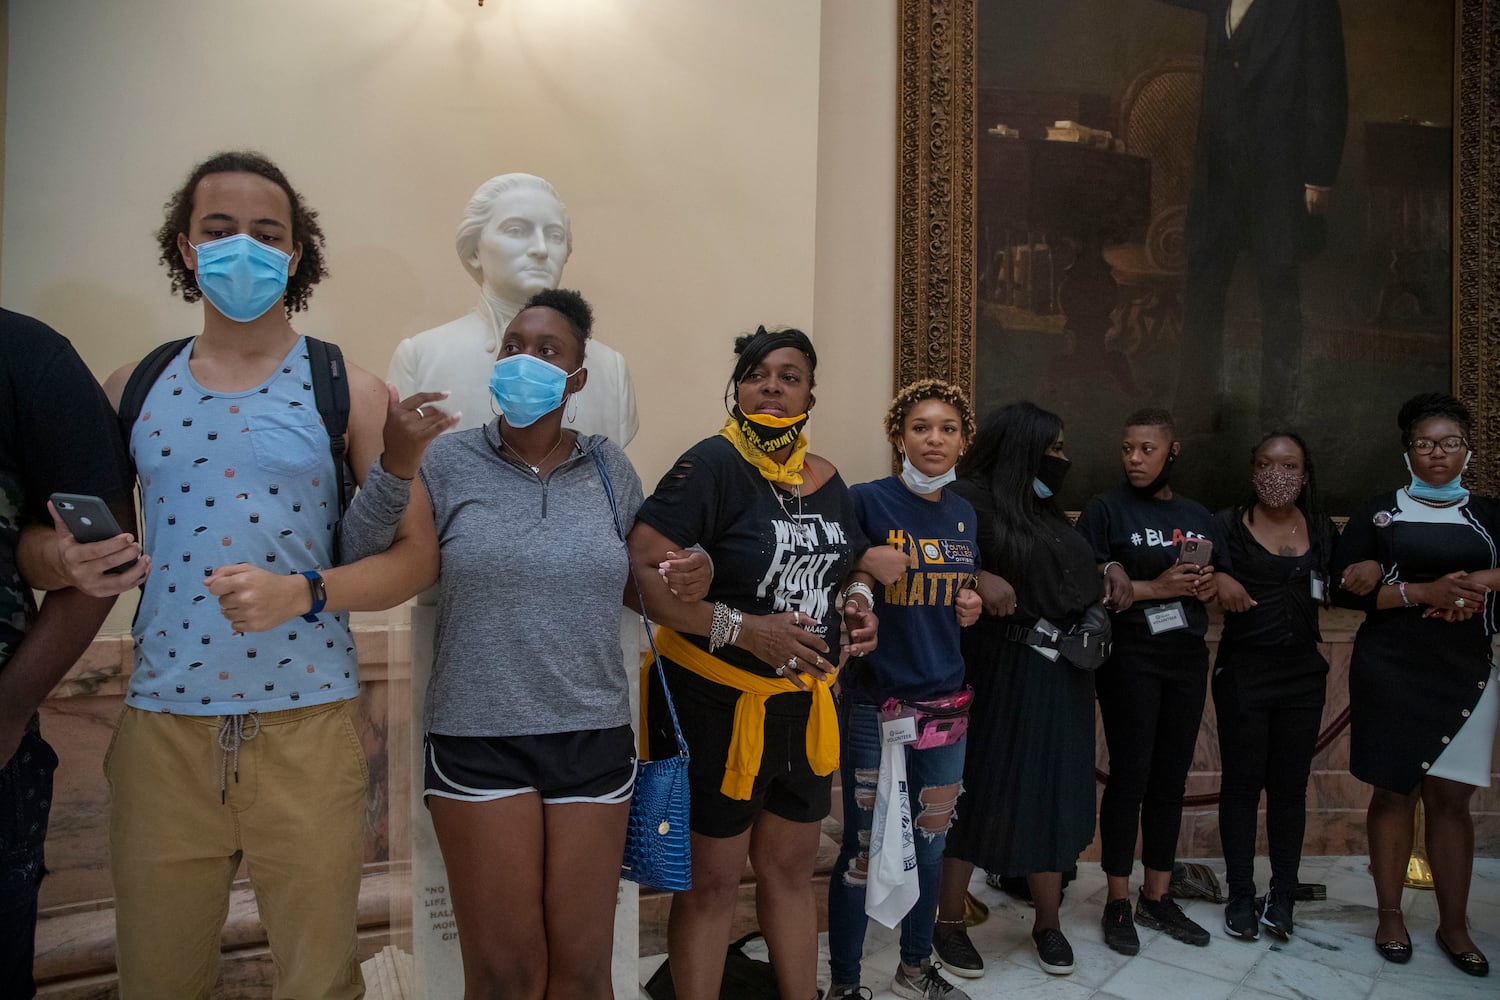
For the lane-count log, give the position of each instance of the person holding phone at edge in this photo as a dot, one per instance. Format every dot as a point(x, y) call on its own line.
point(1152, 689)
point(1269, 680)
point(238, 734)
point(57, 434)
point(750, 668)
point(924, 603)
point(1420, 561)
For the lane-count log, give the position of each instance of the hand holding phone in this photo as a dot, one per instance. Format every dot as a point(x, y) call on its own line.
point(89, 520)
point(1197, 551)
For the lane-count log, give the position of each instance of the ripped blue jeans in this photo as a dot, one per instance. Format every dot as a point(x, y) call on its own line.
point(934, 782)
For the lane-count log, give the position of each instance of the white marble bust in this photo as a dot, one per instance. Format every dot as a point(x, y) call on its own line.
point(514, 240)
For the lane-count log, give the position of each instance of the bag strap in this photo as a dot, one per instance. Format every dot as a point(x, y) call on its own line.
point(142, 378)
point(1030, 636)
point(661, 672)
point(331, 393)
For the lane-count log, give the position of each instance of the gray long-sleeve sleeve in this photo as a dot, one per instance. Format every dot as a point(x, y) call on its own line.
point(369, 525)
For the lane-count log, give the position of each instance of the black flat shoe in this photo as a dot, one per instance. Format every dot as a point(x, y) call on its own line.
point(1394, 951)
point(1470, 962)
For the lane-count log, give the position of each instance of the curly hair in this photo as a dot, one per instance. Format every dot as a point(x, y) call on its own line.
point(311, 268)
point(572, 306)
point(1428, 405)
point(928, 388)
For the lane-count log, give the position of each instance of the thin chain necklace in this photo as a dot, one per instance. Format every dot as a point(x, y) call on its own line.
point(536, 469)
point(805, 530)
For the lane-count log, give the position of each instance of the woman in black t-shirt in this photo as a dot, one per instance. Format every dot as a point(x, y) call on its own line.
point(1269, 678)
point(1151, 692)
point(750, 667)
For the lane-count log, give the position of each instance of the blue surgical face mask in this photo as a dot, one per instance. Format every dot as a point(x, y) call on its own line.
point(1449, 492)
point(1041, 489)
point(526, 388)
point(919, 482)
point(242, 276)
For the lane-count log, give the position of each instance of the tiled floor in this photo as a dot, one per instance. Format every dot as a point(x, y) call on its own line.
point(1330, 957)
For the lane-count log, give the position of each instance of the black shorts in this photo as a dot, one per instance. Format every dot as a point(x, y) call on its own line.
point(591, 765)
point(785, 787)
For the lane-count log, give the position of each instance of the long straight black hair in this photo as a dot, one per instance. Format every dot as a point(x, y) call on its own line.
point(1005, 457)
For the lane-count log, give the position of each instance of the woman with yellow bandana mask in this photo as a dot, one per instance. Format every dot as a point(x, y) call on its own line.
point(751, 665)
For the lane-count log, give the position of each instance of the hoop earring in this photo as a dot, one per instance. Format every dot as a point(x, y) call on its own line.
point(570, 408)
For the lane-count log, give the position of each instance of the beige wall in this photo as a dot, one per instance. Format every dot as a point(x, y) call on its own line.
point(725, 164)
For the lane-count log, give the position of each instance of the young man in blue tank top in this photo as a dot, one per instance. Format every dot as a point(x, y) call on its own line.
point(238, 736)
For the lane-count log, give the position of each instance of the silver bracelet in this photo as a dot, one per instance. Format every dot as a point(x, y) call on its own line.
point(1104, 570)
point(858, 587)
point(726, 627)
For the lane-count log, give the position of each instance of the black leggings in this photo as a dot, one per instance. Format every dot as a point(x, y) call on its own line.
point(1269, 704)
point(1152, 704)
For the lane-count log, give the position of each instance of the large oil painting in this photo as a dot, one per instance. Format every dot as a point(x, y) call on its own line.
point(1255, 215)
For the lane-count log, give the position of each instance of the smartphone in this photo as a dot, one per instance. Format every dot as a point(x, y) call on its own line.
point(89, 519)
point(1197, 551)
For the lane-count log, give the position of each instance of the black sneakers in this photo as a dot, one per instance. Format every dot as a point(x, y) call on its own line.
point(1053, 953)
point(1240, 917)
point(1276, 913)
point(1119, 928)
point(1165, 915)
point(956, 951)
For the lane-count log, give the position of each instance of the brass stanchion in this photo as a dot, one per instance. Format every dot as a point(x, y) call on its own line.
point(1418, 871)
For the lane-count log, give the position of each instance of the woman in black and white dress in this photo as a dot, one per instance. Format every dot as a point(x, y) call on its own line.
point(1421, 560)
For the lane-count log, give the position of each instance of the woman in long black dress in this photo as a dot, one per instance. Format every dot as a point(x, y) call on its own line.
point(1422, 692)
point(1029, 774)
point(1269, 679)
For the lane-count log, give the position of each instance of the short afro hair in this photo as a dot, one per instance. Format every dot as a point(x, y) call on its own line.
point(572, 306)
point(311, 268)
point(928, 388)
point(1153, 416)
point(1428, 405)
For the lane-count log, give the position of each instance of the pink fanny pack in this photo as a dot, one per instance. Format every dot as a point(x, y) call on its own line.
point(940, 722)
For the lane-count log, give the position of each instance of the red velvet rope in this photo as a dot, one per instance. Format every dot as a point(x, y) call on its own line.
point(1325, 739)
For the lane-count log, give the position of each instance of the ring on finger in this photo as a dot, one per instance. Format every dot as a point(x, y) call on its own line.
point(420, 414)
point(797, 618)
point(1459, 602)
point(781, 670)
point(792, 663)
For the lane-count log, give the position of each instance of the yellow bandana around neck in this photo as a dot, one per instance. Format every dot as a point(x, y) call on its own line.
point(788, 472)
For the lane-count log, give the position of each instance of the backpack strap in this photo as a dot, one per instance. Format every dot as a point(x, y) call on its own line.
point(138, 386)
point(331, 392)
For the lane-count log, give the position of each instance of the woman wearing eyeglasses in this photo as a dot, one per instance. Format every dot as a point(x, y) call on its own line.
point(1421, 561)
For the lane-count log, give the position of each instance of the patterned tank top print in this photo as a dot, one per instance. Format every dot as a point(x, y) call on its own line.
point(242, 477)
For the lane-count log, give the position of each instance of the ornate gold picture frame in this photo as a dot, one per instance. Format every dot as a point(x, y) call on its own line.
point(936, 192)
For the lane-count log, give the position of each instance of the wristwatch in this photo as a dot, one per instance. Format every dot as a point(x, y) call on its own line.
point(319, 594)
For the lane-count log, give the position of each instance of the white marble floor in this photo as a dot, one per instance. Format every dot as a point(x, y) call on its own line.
point(1330, 957)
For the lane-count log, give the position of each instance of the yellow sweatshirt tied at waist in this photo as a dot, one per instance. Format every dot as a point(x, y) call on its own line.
point(747, 741)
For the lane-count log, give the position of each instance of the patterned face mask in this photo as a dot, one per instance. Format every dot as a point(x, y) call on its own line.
point(1276, 486)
